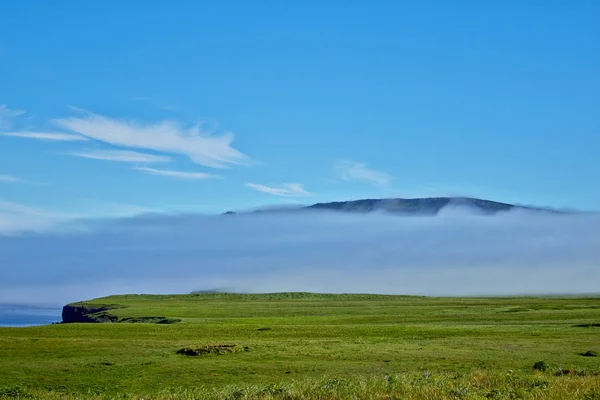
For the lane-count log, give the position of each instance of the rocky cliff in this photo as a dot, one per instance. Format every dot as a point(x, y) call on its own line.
point(84, 313)
point(99, 313)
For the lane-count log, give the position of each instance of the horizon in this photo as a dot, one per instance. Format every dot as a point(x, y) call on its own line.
point(12, 306)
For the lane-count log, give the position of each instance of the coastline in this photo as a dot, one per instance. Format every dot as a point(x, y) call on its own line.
point(23, 315)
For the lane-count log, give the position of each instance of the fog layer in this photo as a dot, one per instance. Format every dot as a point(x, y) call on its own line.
point(455, 253)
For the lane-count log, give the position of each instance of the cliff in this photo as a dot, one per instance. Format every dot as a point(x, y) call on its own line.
point(85, 313)
point(78, 312)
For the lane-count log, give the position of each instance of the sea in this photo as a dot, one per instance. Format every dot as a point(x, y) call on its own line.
point(18, 315)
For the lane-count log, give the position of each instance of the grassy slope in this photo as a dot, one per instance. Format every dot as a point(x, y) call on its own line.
point(310, 336)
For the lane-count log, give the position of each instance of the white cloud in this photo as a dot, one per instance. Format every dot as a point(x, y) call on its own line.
point(176, 174)
point(49, 136)
point(7, 116)
point(10, 179)
point(121, 156)
point(95, 209)
point(166, 136)
point(356, 171)
point(286, 190)
point(15, 179)
point(15, 217)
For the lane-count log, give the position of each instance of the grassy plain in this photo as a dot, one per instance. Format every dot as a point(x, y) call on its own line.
point(302, 345)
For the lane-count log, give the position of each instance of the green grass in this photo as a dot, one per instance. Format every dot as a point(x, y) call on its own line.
point(297, 342)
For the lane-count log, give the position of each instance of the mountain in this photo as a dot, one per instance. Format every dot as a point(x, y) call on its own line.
point(417, 206)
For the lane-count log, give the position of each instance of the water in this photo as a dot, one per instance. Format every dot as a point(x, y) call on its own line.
point(16, 315)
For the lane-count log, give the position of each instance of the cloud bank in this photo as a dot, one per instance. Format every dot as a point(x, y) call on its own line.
point(451, 254)
point(16, 218)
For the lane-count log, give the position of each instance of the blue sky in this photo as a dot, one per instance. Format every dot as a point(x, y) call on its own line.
point(113, 108)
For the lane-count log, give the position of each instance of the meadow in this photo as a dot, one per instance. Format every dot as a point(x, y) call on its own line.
point(313, 346)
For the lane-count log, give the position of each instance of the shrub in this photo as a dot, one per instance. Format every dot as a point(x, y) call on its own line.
point(541, 366)
point(218, 349)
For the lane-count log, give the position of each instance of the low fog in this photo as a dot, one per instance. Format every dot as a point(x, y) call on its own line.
point(454, 253)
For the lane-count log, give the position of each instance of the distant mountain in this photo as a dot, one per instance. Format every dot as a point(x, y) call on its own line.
point(417, 206)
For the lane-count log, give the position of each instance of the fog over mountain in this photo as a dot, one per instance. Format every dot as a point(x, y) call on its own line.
point(415, 206)
point(457, 252)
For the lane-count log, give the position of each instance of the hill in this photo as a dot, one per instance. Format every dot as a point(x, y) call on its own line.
point(426, 206)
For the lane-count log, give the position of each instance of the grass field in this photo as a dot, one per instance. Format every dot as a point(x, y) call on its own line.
point(301, 345)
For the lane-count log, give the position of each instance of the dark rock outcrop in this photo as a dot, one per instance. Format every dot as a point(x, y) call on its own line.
point(86, 314)
point(83, 313)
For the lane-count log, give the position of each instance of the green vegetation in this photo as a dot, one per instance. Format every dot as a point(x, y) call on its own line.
point(541, 366)
point(210, 349)
point(303, 345)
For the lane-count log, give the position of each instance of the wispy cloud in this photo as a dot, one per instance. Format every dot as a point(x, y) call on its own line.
point(355, 171)
point(15, 217)
point(49, 136)
point(7, 116)
point(121, 156)
point(10, 179)
point(176, 174)
point(98, 210)
point(4, 178)
point(166, 136)
point(286, 189)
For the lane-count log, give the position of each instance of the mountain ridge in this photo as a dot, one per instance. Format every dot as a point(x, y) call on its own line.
point(408, 206)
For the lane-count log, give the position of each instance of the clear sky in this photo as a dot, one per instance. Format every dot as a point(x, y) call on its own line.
point(118, 107)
